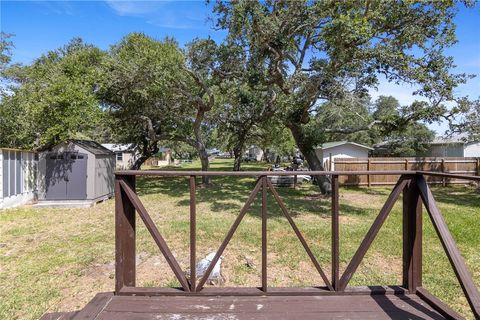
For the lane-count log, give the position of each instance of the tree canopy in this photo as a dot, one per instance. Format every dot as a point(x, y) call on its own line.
point(52, 99)
point(289, 73)
point(324, 51)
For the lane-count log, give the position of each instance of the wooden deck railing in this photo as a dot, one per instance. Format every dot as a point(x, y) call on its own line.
point(415, 193)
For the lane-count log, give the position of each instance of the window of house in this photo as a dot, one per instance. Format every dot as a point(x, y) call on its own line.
point(119, 156)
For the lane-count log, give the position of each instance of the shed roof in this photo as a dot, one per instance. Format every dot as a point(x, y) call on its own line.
point(92, 147)
point(333, 144)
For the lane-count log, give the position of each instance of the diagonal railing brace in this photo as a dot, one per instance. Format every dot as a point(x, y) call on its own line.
point(162, 245)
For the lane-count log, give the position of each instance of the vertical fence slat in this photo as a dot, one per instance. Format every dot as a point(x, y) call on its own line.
point(264, 234)
point(335, 234)
point(412, 237)
point(444, 181)
point(193, 234)
point(124, 236)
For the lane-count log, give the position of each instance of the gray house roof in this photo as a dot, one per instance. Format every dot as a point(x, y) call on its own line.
point(92, 146)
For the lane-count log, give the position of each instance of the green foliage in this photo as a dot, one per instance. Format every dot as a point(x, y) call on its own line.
point(469, 124)
point(52, 99)
point(137, 91)
point(6, 46)
point(395, 136)
point(324, 56)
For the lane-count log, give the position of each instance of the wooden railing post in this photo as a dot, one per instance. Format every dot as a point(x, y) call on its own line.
point(124, 235)
point(264, 233)
point(335, 234)
point(193, 234)
point(412, 237)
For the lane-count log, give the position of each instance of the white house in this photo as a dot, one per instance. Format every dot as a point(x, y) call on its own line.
point(125, 155)
point(341, 149)
point(18, 175)
point(453, 147)
point(254, 152)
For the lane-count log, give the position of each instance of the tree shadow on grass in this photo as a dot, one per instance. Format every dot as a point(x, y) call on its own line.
point(303, 199)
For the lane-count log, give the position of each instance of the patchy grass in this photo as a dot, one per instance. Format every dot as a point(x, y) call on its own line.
point(57, 259)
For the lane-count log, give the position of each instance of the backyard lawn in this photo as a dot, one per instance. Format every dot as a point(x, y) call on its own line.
point(57, 259)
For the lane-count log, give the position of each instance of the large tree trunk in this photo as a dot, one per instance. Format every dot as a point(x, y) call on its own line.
point(202, 152)
point(237, 154)
point(138, 163)
point(200, 146)
point(266, 155)
point(306, 147)
point(148, 150)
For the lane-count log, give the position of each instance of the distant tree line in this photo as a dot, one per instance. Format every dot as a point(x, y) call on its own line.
point(289, 75)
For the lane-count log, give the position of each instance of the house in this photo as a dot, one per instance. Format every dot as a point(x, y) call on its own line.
point(18, 173)
point(125, 155)
point(453, 147)
point(75, 173)
point(341, 149)
point(254, 152)
point(162, 158)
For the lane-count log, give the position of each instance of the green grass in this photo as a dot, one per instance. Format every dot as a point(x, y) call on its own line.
point(57, 259)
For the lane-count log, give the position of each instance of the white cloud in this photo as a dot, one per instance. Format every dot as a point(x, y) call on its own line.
point(165, 14)
point(135, 8)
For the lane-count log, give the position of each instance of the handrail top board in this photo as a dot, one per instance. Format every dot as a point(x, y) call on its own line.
point(173, 173)
point(256, 173)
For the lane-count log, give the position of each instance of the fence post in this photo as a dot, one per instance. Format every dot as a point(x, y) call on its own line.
point(406, 164)
point(444, 181)
point(124, 235)
point(368, 176)
point(412, 237)
point(478, 166)
point(330, 163)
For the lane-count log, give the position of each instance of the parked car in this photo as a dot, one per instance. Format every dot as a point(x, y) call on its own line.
point(287, 180)
point(249, 159)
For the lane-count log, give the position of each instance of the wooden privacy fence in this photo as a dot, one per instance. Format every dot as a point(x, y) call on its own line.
point(452, 165)
point(416, 194)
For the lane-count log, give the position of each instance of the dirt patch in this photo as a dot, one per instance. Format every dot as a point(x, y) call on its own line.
point(361, 199)
point(97, 278)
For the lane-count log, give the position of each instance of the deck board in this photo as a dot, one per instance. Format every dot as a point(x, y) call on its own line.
point(107, 307)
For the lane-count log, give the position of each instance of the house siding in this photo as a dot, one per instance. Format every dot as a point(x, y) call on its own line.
point(341, 151)
point(17, 177)
point(446, 150)
point(472, 149)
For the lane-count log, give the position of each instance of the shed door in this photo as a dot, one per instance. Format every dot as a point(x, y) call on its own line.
point(66, 176)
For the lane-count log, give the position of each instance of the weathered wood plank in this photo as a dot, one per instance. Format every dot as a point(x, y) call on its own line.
point(59, 315)
point(412, 237)
point(320, 307)
point(438, 304)
point(94, 307)
point(125, 266)
point(271, 291)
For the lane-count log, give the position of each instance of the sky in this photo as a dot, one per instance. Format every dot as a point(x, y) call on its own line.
point(40, 26)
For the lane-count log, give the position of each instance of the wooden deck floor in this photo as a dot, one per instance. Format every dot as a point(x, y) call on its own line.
point(107, 306)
